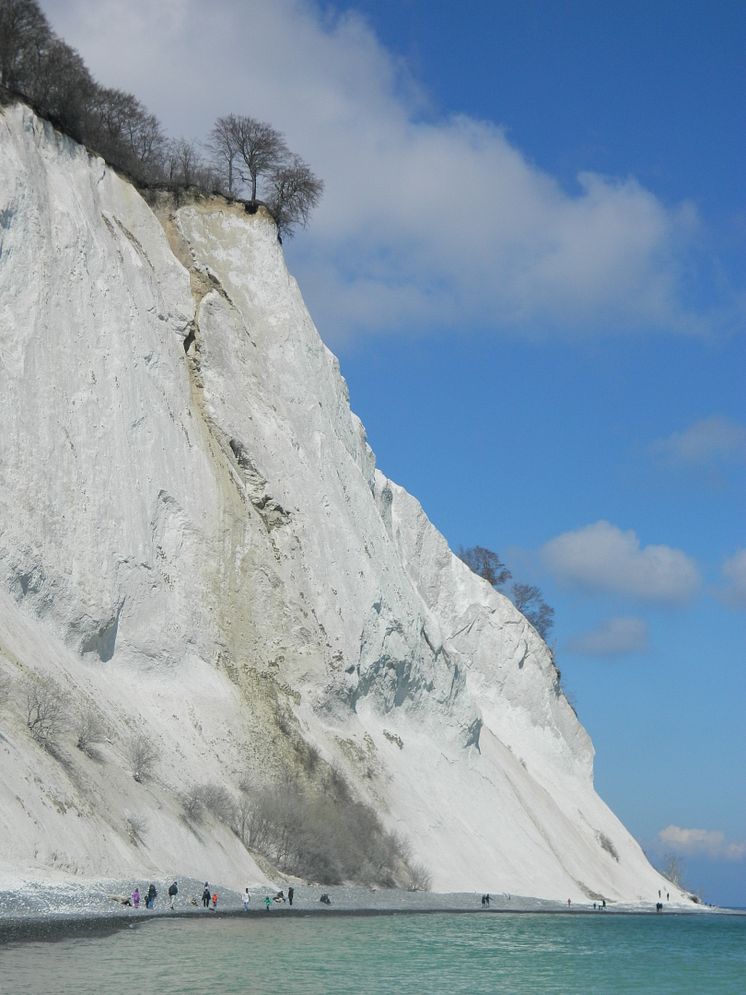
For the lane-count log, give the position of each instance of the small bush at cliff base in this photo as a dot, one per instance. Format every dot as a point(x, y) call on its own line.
point(420, 878)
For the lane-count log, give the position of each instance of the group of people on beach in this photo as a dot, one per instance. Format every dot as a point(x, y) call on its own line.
point(209, 898)
point(150, 896)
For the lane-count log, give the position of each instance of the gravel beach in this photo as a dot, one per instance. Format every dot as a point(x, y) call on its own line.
point(49, 912)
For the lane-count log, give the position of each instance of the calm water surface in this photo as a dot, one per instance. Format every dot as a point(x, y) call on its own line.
point(403, 954)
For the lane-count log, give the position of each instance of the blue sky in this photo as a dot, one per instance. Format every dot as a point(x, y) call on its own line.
point(529, 259)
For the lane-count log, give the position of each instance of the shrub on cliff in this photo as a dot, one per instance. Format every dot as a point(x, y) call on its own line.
point(324, 839)
point(141, 756)
point(46, 710)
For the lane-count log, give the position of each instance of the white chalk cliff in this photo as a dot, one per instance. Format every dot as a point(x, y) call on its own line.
point(194, 540)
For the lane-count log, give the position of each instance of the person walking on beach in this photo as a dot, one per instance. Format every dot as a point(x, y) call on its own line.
point(214, 900)
point(291, 892)
point(245, 899)
point(136, 898)
point(267, 902)
point(206, 895)
point(173, 891)
point(151, 897)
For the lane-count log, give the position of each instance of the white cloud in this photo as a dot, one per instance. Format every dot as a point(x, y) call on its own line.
point(711, 440)
point(734, 572)
point(612, 637)
point(426, 221)
point(702, 842)
point(602, 557)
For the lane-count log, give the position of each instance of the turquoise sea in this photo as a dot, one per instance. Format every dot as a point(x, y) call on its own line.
point(394, 953)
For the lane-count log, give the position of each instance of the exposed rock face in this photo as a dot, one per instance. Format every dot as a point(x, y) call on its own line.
point(194, 540)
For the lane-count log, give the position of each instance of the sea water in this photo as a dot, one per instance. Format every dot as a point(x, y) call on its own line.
point(402, 953)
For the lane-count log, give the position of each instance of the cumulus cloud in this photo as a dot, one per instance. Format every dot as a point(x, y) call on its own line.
point(734, 572)
point(702, 842)
point(602, 557)
point(427, 221)
point(612, 637)
point(709, 441)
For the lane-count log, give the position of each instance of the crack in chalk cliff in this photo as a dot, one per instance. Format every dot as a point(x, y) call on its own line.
point(202, 283)
point(470, 625)
point(522, 661)
point(201, 278)
point(273, 514)
point(134, 241)
point(436, 651)
point(242, 487)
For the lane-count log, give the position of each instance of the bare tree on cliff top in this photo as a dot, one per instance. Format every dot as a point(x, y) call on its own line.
point(223, 149)
point(24, 29)
point(121, 129)
point(183, 163)
point(293, 193)
point(254, 147)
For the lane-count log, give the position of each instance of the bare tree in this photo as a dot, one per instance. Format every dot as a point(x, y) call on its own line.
point(673, 869)
point(420, 878)
point(142, 756)
point(63, 87)
point(89, 730)
point(293, 192)
point(184, 162)
point(46, 709)
point(191, 802)
point(253, 147)
point(123, 131)
point(24, 31)
point(529, 601)
point(211, 798)
point(244, 817)
point(223, 149)
point(486, 564)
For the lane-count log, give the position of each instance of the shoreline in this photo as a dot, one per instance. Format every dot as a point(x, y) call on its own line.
point(57, 927)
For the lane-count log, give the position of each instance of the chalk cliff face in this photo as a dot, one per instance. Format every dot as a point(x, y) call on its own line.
point(195, 542)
